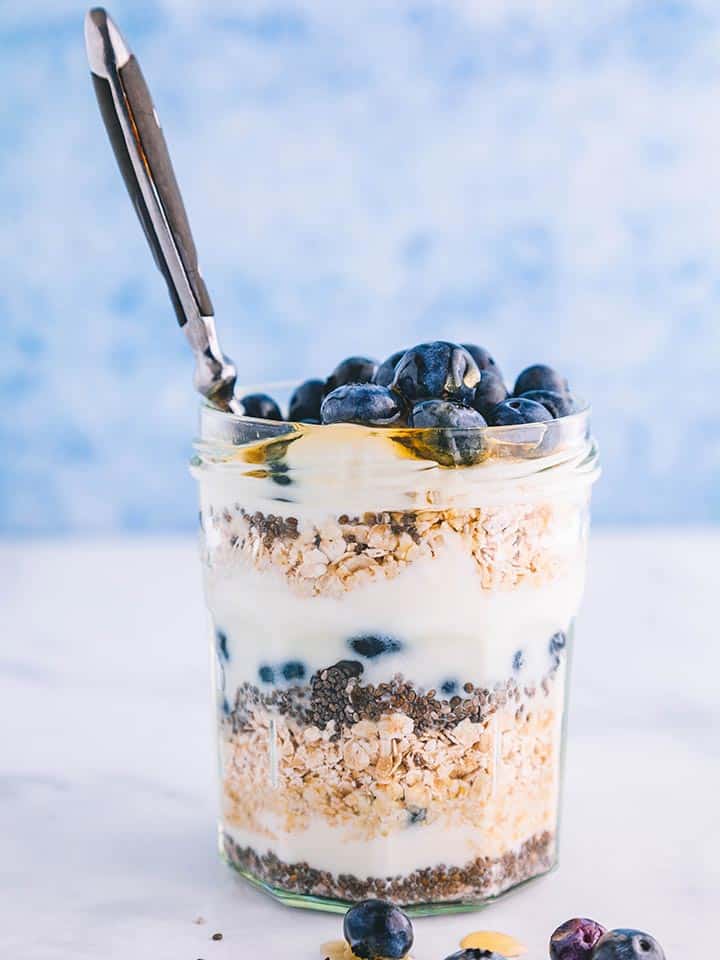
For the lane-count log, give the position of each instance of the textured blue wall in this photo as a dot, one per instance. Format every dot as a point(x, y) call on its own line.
point(541, 177)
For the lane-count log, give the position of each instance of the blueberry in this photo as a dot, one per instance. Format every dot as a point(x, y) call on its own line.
point(367, 403)
point(558, 642)
point(352, 370)
point(575, 939)
point(540, 377)
point(482, 358)
point(559, 404)
point(372, 645)
point(305, 401)
point(449, 687)
point(628, 945)
point(222, 644)
point(489, 392)
point(376, 928)
point(518, 410)
point(293, 670)
point(518, 661)
point(437, 370)
point(386, 371)
point(471, 953)
point(416, 814)
point(262, 406)
point(266, 674)
point(458, 440)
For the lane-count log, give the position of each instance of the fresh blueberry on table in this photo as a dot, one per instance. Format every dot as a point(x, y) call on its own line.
point(351, 370)
point(627, 945)
point(518, 410)
point(377, 929)
point(459, 440)
point(437, 370)
point(366, 403)
point(540, 377)
point(575, 939)
point(293, 670)
point(262, 406)
point(266, 673)
point(559, 404)
point(305, 401)
point(482, 358)
point(373, 645)
point(222, 644)
point(489, 392)
point(386, 371)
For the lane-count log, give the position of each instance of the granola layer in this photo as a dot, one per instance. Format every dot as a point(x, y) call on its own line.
point(510, 545)
point(436, 782)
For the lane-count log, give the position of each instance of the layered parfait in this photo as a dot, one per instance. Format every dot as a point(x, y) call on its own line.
point(392, 571)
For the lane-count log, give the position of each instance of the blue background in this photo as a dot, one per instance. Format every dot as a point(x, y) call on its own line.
point(538, 176)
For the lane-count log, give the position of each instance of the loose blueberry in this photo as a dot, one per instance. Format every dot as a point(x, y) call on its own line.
point(449, 687)
point(540, 377)
point(375, 928)
point(482, 358)
point(370, 646)
point(366, 403)
point(518, 410)
point(558, 642)
point(352, 370)
point(222, 644)
point(559, 404)
point(305, 401)
point(459, 439)
point(293, 670)
point(416, 814)
point(575, 939)
point(489, 392)
point(266, 674)
point(262, 406)
point(437, 370)
point(386, 371)
point(471, 953)
point(518, 661)
point(628, 945)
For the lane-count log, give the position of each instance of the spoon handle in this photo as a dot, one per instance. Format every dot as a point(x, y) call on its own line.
point(142, 155)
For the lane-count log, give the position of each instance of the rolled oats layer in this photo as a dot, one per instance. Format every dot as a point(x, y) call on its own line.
point(509, 544)
point(464, 784)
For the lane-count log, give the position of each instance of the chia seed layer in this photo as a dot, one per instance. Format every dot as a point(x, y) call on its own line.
point(476, 880)
point(337, 694)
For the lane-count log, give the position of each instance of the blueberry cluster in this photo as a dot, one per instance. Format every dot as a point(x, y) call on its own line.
point(584, 939)
point(376, 929)
point(432, 385)
point(289, 671)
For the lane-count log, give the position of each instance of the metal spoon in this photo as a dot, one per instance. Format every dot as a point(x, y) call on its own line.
point(141, 152)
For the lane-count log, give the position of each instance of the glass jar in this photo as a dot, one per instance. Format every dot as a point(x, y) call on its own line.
point(392, 631)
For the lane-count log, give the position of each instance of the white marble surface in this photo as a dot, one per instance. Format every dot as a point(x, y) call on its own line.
point(107, 770)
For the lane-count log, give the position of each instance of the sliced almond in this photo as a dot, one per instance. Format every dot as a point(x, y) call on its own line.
point(501, 943)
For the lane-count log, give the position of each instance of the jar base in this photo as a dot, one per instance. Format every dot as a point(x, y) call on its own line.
point(329, 904)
